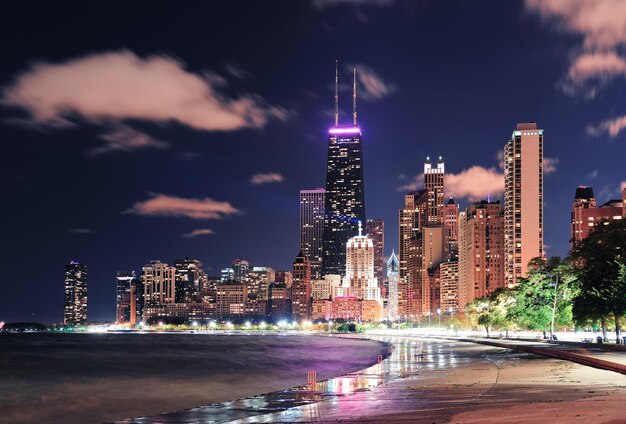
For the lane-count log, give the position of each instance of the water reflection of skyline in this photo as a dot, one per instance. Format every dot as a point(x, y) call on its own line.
point(409, 357)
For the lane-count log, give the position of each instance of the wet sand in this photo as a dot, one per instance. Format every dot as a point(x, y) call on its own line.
point(453, 382)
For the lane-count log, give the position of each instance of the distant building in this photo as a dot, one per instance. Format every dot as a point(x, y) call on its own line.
point(285, 277)
point(231, 300)
point(433, 183)
point(312, 227)
point(126, 298)
point(301, 289)
point(586, 215)
point(523, 200)
point(450, 226)
point(159, 284)
point(227, 274)
point(432, 251)
point(393, 265)
point(189, 278)
point(240, 270)
point(75, 307)
point(346, 308)
point(449, 280)
point(321, 309)
point(375, 229)
point(321, 289)
point(481, 251)
point(280, 302)
point(259, 278)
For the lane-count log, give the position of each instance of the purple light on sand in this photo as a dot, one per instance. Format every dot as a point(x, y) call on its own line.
point(341, 131)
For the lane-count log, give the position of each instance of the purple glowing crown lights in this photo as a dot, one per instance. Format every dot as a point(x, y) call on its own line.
point(343, 131)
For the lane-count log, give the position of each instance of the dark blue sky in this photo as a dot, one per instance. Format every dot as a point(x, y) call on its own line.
point(439, 78)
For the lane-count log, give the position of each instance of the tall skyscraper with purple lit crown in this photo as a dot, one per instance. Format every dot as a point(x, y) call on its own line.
point(345, 194)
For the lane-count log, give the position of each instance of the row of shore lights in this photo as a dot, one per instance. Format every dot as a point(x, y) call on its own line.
point(248, 324)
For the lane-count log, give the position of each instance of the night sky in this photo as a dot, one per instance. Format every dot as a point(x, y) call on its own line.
point(134, 131)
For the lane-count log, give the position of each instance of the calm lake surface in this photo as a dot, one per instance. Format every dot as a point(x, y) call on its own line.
point(93, 378)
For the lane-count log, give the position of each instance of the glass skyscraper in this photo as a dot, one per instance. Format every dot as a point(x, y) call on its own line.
point(345, 196)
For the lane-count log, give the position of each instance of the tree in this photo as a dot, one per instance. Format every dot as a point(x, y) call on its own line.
point(601, 263)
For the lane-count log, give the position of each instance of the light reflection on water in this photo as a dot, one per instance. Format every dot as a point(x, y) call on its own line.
point(408, 358)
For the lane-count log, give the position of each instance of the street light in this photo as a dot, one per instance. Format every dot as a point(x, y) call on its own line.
point(439, 315)
point(451, 313)
point(556, 286)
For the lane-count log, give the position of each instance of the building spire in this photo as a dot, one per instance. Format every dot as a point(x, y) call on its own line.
point(360, 229)
point(354, 96)
point(337, 93)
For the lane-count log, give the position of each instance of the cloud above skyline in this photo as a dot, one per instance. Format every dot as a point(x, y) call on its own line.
point(122, 138)
point(550, 165)
point(81, 231)
point(602, 26)
point(611, 126)
point(172, 206)
point(323, 4)
point(199, 232)
point(270, 177)
point(371, 86)
point(154, 88)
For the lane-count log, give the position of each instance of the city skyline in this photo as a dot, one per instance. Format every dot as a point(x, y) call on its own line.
point(114, 189)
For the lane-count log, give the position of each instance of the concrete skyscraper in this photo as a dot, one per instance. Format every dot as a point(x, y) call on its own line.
point(375, 229)
point(301, 289)
point(393, 268)
point(345, 194)
point(360, 268)
point(586, 215)
point(75, 308)
point(159, 284)
point(312, 227)
point(450, 226)
point(189, 279)
point(523, 200)
point(240, 270)
point(433, 183)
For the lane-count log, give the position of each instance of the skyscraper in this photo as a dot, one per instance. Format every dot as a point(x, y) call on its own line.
point(125, 300)
point(75, 308)
point(375, 228)
point(360, 268)
point(523, 200)
point(301, 289)
point(189, 279)
point(451, 225)
point(481, 251)
point(159, 284)
point(433, 183)
point(393, 268)
point(240, 270)
point(586, 215)
point(345, 194)
point(312, 227)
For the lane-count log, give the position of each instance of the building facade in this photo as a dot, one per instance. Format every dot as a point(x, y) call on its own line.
point(189, 279)
point(126, 298)
point(586, 215)
point(312, 227)
point(301, 289)
point(393, 268)
point(375, 229)
point(523, 200)
point(159, 284)
point(75, 306)
point(359, 275)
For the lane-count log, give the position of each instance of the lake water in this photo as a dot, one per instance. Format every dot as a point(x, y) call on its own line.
point(93, 378)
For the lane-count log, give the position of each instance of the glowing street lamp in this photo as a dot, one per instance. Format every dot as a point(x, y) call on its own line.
point(451, 310)
point(248, 324)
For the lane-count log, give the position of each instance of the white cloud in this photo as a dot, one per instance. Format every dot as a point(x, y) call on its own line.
point(123, 138)
point(172, 206)
point(549, 165)
point(612, 127)
point(411, 183)
point(474, 183)
point(602, 26)
point(594, 174)
point(114, 86)
point(371, 86)
point(199, 232)
point(270, 177)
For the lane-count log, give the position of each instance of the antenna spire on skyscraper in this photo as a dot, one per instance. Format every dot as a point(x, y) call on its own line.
point(336, 92)
point(354, 96)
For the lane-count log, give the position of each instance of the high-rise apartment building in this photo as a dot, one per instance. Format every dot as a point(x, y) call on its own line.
point(360, 268)
point(159, 284)
point(450, 228)
point(231, 299)
point(240, 270)
point(345, 194)
point(432, 251)
point(586, 215)
point(126, 298)
point(75, 307)
point(312, 227)
point(481, 251)
point(189, 279)
point(375, 229)
point(301, 289)
point(449, 286)
point(523, 200)
point(259, 279)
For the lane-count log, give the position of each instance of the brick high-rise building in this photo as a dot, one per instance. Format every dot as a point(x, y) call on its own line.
point(360, 268)
point(75, 307)
point(312, 227)
point(523, 200)
point(159, 284)
point(126, 297)
point(301, 289)
point(450, 228)
point(481, 251)
point(586, 215)
point(434, 183)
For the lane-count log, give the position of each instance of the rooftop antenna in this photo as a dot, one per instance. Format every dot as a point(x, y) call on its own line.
point(488, 197)
point(354, 96)
point(336, 92)
point(360, 229)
